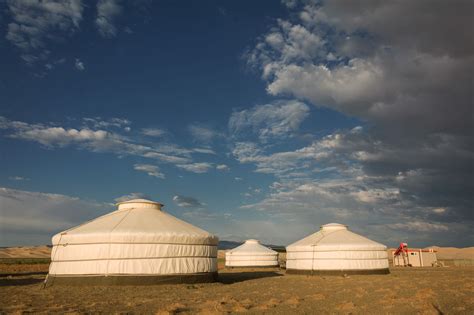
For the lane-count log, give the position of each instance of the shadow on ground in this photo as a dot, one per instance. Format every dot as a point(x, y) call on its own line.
point(234, 277)
point(5, 282)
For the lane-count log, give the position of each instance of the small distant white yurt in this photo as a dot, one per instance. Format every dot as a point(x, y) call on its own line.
point(251, 254)
point(336, 250)
point(137, 244)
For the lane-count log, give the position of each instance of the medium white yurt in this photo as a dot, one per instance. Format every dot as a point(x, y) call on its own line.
point(136, 244)
point(336, 250)
point(251, 254)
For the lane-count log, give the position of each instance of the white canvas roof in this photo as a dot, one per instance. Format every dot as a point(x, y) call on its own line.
point(136, 239)
point(335, 248)
point(251, 247)
point(136, 221)
point(251, 254)
point(335, 236)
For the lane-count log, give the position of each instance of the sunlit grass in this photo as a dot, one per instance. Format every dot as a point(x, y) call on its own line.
point(24, 261)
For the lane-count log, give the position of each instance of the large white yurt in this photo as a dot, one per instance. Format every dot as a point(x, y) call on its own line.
point(251, 254)
point(336, 250)
point(137, 244)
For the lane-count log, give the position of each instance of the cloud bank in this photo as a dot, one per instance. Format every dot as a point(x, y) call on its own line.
point(405, 69)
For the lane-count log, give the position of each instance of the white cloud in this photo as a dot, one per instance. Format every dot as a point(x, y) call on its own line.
point(32, 218)
point(187, 202)
point(79, 65)
point(151, 170)
point(407, 84)
point(98, 122)
point(439, 210)
point(107, 12)
point(203, 133)
point(280, 119)
point(196, 167)
point(153, 132)
point(204, 150)
point(105, 140)
point(377, 71)
point(419, 226)
point(59, 136)
point(348, 190)
point(18, 178)
point(290, 3)
point(134, 195)
point(35, 23)
point(222, 167)
point(375, 195)
point(167, 158)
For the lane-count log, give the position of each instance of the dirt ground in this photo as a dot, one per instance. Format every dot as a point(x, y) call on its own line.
point(448, 290)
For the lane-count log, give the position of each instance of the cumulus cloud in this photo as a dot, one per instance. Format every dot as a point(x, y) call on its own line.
point(204, 150)
point(79, 65)
point(385, 214)
point(393, 76)
point(187, 202)
point(403, 76)
point(52, 136)
point(163, 157)
point(99, 122)
point(348, 176)
point(32, 218)
point(270, 121)
point(134, 195)
point(203, 133)
point(222, 167)
point(107, 139)
point(35, 24)
point(153, 132)
point(151, 170)
point(202, 167)
point(420, 226)
point(107, 12)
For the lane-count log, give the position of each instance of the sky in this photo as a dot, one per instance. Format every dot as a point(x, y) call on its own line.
point(250, 119)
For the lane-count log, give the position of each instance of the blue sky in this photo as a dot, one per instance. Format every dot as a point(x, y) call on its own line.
point(252, 120)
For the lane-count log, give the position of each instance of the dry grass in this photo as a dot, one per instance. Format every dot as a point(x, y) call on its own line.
point(447, 290)
point(405, 290)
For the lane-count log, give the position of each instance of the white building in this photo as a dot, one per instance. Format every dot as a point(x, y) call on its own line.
point(415, 258)
point(251, 254)
point(138, 244)
point(335, 249)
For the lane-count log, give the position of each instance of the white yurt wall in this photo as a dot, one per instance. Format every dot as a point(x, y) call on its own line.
point(136, 241)
point(335, 249)
point(251, 254)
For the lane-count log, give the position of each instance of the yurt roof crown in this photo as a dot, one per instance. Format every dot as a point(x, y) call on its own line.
point(252, 241)
point(139, 203)
point(333, 227)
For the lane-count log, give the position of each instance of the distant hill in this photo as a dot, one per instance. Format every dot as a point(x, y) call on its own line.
point(223, 245)
point(44, 251)
point(447, 252)
point(454, 252)
point(26, 252)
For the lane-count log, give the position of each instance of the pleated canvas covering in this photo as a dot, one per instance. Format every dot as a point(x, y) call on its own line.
point(335, 249)
point(138, 239)
point(251, 254)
